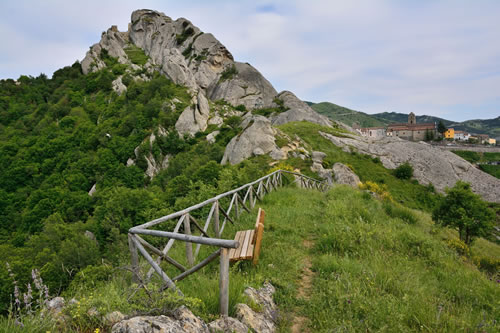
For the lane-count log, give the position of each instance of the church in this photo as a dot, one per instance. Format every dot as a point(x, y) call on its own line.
point(413, 131)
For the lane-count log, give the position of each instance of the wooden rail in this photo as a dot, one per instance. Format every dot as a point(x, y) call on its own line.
point(242, 199)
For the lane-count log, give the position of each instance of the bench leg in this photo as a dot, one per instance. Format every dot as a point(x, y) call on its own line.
point(224, 282)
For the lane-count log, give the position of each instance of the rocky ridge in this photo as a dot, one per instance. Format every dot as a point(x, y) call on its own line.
point(432, 165)
point(197, 60)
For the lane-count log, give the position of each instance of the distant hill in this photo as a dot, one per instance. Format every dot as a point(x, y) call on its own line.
point(348, 116)
point(345, 115)
point(396, 117)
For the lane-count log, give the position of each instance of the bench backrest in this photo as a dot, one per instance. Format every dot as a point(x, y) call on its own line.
point(259, 231)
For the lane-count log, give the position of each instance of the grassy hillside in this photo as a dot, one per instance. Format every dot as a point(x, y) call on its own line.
point(370, 266)
point(345, 115)
point(482, 159)
point(396, 117)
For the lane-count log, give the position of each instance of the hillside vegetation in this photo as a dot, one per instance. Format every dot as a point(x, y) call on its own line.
point(372, 266)
point(345, 115)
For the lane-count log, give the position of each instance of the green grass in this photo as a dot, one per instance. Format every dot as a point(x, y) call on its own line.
point(136, 55)
point(406, 192)
point(493, 170)
point(377, 266)
point(478, 157)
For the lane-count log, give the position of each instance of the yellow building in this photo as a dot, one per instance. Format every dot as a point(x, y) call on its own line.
point(449, 134)
point(492, 141)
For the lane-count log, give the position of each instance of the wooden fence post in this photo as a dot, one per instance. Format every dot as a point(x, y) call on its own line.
point(189, 245)
point(224, 282)
point(216, 220)
point(134, 260)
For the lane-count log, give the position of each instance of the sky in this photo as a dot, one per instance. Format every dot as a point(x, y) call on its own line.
point(434, 57)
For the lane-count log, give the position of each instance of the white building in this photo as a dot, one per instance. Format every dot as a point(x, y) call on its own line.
point(373, 132)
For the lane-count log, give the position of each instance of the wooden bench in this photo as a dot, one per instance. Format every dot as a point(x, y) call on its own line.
point(250, 241)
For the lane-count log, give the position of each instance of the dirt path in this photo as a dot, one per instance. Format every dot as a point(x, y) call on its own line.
point(300, 323)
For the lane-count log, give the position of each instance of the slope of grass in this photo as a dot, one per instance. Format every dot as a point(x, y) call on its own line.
point(407, 192)
point(377, 266)
point(345, 115)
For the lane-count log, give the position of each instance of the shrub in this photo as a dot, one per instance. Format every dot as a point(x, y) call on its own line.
point(228, 73)
point(404, 171)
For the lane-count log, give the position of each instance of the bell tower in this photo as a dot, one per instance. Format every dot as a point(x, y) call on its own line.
point(412, 120)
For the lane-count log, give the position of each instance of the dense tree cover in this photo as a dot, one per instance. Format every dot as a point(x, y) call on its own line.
point(465, 211)
point(60, 136)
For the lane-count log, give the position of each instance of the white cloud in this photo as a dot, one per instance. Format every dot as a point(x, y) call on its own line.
point(421, 56)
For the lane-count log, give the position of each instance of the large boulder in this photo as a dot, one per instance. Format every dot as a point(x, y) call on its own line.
point(297, 111)
point(227, 325)
point(431, 164)
point(344, 175)
point(112, 41)
point(182, 320)
point(195, 117)
point(257, 139)
point(246, 86)
point(317, 166)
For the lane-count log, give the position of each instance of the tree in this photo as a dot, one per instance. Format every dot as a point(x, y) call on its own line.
point(463, 210)
point(441, 127)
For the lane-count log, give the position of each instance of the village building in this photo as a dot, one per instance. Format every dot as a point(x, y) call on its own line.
point(461, 136)
point(483, 138)
point(413, 131)
point(373, 132)
point(449, 134)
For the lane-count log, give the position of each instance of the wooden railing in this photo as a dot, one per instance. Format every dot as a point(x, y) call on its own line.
point(241, 199)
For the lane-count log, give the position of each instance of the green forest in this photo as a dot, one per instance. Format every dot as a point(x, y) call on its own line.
point(60, 136)
point(63, 136)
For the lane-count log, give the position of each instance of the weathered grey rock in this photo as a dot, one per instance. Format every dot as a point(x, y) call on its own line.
point(277, 154)
point(211, 137)
point(227, 325)
point(247, 87)
point(90, 235)
point(344, 175)
point(130, 162)
point(216, 120)
point(114, 317)
point(188, 321)
point(254, 320)
point(258, 134)
point(258, 151)
point(55, 305)
point(148, 324)
point(118, 86)
point(317, 166)
point(430, 164)
point(195, 117)
point(264, 297)
point(318, 156)
point(157, 33)
point(113, 42)
point(183, 320)
point(297, 111)
point(93, 189)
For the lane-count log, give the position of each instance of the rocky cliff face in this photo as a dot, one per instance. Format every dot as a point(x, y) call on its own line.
point(431, 164)
point(197, 60)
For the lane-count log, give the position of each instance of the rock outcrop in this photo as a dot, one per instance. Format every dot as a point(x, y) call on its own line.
point(297, 111)
point(431, 164)
point(246, 86)
point(257, 139)
point(187, 56)
point(183, 320)
point(317, 166)
point(344, 175)
point(195, 117)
